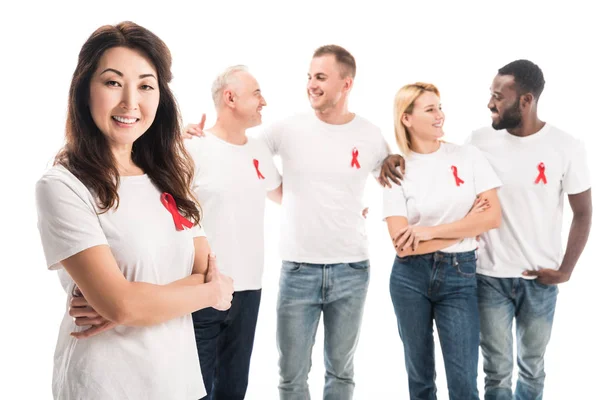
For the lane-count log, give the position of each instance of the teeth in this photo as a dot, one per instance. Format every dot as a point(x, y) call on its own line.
point(125, 120)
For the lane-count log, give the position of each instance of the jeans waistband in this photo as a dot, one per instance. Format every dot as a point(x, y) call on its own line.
point(448, 257)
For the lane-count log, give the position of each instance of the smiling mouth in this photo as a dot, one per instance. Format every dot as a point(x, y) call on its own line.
point(124, 120)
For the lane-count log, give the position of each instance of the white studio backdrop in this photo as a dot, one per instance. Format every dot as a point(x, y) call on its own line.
point(458, 46)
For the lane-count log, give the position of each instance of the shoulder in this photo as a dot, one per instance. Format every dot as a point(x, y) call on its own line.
point(58, 184)
point(59, 176)
point(463, 151)
point(257, 142)
point(364, 123)
point(563, 139)
point(197, 144)
point(483, 133)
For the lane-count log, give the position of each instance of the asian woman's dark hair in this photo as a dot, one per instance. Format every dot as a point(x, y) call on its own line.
point(159, 151)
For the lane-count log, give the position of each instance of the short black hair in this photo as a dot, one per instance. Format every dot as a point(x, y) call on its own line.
point(528, 76)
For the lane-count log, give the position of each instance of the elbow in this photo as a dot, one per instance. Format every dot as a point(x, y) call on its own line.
point(495, 221)
point(120, 313)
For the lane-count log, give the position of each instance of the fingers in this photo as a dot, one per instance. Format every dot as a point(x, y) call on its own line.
point(78, 312)
point(93, 331)
point(383, 181)
point(409, 242)
point(403, 240)
point(415, 244)
point(202, 122)
point(79, 302)
point(400, 233)
point(86, 321)
point(192, 130)
point(532, 273)
point(186, 136)
point(212, 271)
point(396, 176)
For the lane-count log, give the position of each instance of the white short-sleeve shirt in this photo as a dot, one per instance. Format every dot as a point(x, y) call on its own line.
point(440, 188)
point(537, 171)
point(325, 169)
point(156, 362)
point(231, 182)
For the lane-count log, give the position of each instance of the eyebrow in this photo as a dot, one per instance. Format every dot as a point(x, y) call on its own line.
point(257, 91)
point(322, 74)
point(121, 74)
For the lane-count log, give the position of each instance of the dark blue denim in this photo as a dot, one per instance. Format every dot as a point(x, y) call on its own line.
point(439, 287)
point(224, 340)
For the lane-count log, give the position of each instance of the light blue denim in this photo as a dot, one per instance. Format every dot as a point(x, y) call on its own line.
point(338, 291)
point(531, 304)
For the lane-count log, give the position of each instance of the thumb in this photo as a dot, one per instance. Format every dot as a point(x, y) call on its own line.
point(532, 273)
point(202, 121)
point(212, 263)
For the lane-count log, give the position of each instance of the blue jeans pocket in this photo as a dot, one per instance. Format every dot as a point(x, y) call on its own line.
point(361, 265)
point(290, 266)
point(466, 268)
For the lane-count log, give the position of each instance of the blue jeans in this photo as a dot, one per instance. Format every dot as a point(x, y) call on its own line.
point(532, 305)
point(442, 287)
point(305, 291)
point(224, 340)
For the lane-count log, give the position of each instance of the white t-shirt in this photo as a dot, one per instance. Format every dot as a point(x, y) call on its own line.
point(325, 169)
point(231, 182)
point(536, 171)
point(440, 188)
point(156, 362)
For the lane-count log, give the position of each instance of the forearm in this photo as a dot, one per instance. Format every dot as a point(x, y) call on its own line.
point(467, 227)
point(147, 304)
point(427, 247)
point(578, 236)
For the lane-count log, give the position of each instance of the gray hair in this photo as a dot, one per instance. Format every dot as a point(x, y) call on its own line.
point(225, 79)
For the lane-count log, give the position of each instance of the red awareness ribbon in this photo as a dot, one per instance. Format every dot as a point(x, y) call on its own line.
point(169, 203)
point(354, 162)
point(456, 178)
point(541, 173)
point(260, 176)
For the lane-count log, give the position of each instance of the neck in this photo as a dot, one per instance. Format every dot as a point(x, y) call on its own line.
point(125, 164)
point(229, 130)
point(337, 115)
point(530, 125)
point(424, 146)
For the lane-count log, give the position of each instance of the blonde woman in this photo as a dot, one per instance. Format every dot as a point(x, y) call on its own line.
point(447, 198)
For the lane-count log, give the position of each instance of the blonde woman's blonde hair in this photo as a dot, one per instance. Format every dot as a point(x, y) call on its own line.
point(404, 103)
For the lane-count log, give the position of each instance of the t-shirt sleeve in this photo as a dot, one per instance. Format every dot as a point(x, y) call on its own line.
point(382, 151)
point(576, 178)
point(67, 219)
point(271, 137)
point(198, 231)
point(394, 202)
point(483, 174)
point(469, 139)
point(273, 179)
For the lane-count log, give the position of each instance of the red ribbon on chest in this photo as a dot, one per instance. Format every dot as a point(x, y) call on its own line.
point(456, 178)
point(541, 173)
point(170, 204)
point(355, 162)
point(260, 176)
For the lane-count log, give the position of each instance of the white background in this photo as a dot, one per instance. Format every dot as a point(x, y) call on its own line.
point(456, 45)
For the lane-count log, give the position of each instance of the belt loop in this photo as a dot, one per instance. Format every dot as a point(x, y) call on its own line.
point(454, 259)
